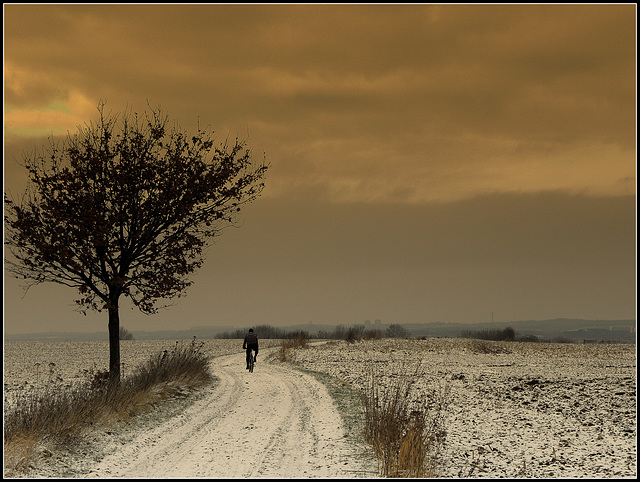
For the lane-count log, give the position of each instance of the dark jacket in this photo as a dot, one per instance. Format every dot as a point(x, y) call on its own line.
point(250, 340)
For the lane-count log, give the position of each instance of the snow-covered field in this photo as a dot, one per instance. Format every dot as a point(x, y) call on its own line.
point(514, 409)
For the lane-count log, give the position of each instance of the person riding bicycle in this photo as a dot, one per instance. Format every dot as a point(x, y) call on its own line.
point(250, 343)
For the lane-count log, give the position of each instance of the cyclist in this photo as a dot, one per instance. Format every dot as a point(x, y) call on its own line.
point(250, 343)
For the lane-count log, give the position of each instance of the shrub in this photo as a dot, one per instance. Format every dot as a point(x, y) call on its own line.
point(125, 334)
point(296, 339)
point(486, 347)
point(300, 338)
point(406, 437)
point(354, 333)
point(396, 331)
point(374, 334)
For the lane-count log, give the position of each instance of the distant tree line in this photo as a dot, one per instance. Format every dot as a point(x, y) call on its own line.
point(261, 331)
point(351, 333)
point(355, 333)
point(508, 334)
point(359, 332)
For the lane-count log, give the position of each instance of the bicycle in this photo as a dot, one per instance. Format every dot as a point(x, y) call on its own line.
point(252, 360)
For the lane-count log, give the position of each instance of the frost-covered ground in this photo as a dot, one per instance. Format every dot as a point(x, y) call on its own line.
point(275, 422)
point(515, 409)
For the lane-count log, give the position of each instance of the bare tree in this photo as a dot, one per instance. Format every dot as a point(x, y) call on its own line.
point(396, 331)
point(125, 334)
point(125, 207)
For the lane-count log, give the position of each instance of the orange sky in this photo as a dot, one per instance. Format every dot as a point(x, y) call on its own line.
point(429, 163)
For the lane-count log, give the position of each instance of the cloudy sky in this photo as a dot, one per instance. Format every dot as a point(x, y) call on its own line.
point(429, 163)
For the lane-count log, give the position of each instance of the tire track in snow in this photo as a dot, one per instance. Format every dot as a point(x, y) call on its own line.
point(275, 422)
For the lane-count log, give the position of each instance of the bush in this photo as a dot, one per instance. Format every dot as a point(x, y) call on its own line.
point(406, 437)
point(396, 331)
point(125, 334)
point(296, 339)
point(354, 333)
point(374, 334)
point(486, 347)
point(185, 364)
point(299, 338)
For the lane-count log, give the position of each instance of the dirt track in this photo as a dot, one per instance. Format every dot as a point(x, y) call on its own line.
point(275, 422)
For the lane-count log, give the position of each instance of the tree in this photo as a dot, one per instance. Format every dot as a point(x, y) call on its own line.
point(396, 331)
point(126, 207)
point(508, 334)
point(125, 334)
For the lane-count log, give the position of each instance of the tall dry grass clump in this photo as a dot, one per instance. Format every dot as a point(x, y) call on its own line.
point(185, 365)
point(295, 339)
point(406, 435)
point(58, 416)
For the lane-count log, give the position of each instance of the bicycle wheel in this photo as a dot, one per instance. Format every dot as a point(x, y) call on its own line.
point(251, 363)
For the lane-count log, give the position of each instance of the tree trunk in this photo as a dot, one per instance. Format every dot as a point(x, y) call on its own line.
point(114, 339)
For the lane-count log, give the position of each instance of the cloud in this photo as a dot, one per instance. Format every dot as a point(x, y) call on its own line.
point(374, 103)
point(58, 117)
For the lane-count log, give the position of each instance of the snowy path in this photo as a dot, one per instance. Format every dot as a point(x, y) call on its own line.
point(274, 422)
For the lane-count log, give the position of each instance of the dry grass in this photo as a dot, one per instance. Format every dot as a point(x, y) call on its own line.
point(59, 416)
point(19, 454)
point(406, 436)
point(297, 339)
point(487, 347)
